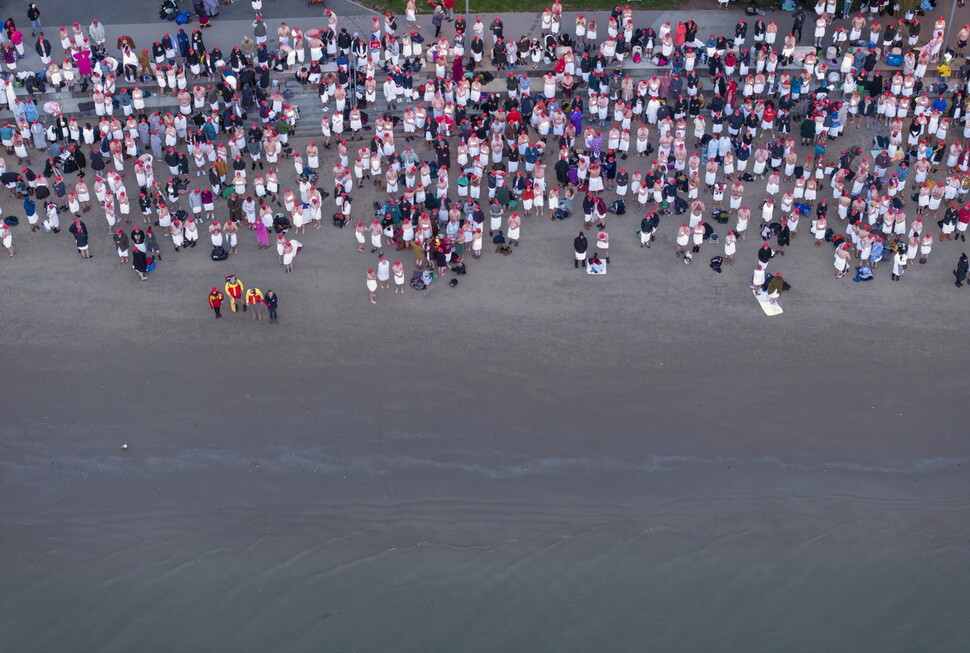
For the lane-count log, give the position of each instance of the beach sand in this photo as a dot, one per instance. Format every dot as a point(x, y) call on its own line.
point(537, 459)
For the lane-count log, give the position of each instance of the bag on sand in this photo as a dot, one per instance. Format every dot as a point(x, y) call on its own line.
point(417, 280)
point(219, 253)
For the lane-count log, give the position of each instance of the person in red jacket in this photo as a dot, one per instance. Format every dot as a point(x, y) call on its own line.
point(215, 301)
point(768, 121)
point(963, 219)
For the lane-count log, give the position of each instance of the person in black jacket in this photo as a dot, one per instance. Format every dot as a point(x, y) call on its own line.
point(139, 261)
point(648, 226)
point(97, 160)
point(784, 237)
point(44, 50)
point(497, 28)
point(740, 34)
point(765, 254)
point(499, 59)
point(961, 271)
point(171, 159)
point(77, 160)
point(580, 245)
point(33, 15)
point(344, 41)
point(80, 232)
point(798, 22)
point(562, 169)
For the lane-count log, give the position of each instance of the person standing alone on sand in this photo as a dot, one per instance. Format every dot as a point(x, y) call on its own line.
point(960, 273)
point(580, 246)
point(80, 232)
point(215, 301)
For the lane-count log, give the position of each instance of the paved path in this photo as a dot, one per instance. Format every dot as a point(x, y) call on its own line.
point(228, 29)
point(55, 13)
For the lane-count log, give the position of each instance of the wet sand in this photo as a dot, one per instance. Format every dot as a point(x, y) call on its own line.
point(534, 460)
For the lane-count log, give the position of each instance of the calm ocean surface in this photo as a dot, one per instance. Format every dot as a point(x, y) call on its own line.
point(295, 554)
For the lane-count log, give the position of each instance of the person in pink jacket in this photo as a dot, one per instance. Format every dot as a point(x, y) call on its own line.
point(83, 60)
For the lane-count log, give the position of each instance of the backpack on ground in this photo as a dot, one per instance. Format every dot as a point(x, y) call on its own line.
point(417, 280)
point(219, 253)
point(618, 207)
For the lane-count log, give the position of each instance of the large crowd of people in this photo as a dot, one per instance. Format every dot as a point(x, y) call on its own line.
point(684, 135)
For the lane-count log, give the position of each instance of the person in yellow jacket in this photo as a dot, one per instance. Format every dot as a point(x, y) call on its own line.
point(235, 290)
point(254, 300)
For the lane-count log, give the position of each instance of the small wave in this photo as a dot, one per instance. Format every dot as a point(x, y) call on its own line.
point(319, 462)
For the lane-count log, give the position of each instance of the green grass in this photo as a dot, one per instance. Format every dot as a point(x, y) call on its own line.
point(505, 6)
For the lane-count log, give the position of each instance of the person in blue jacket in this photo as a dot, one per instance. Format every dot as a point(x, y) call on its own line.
point(30, 210)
